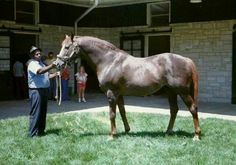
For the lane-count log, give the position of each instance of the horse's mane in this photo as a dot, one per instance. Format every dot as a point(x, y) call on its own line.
point(96, 42)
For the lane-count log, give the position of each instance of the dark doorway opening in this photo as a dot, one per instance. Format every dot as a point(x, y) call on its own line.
point(92, 82)
point(158, 44)
point(233, 100)
point(6, 81)
point(20, 46)
point(92, 85)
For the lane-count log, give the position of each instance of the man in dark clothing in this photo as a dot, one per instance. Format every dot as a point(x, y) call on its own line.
point(38, 82)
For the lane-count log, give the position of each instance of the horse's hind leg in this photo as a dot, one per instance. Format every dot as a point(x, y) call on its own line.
point(172, 98)
point(112, 108)
point(188, 100)
point(121, 106)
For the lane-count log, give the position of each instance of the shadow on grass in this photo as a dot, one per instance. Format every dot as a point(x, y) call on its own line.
point(179, 134)
point(158, 134)
point(53, 131)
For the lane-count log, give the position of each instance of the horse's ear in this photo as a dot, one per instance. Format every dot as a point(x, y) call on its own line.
point(66, 36)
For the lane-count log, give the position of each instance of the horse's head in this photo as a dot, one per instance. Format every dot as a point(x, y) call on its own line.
point(69, 50)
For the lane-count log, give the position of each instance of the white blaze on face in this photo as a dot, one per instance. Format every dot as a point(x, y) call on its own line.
point(63, 48)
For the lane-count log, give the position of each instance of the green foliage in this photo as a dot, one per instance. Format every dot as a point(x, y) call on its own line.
point(82, 138)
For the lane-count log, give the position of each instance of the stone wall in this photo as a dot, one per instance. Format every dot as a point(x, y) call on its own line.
point(209, 44)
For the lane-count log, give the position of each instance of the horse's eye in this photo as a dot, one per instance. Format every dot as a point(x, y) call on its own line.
point(67, 47)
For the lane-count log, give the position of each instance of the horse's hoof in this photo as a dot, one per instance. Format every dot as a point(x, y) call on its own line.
point(112, 134)
point(127, 130)
point(169, 132)
point(110, 138)
point(196, 138)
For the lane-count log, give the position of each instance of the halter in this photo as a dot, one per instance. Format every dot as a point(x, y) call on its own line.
point(75, 50)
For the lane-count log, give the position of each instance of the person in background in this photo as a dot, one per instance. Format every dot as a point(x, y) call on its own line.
point(65, 76)
point(52, 89)
point(38, 82)
point(81, 77)
point(19, 79)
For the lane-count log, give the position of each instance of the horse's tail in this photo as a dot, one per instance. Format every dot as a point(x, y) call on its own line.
point(194, 85)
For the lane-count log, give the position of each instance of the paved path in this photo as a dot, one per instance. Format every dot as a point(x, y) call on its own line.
point(98, 103)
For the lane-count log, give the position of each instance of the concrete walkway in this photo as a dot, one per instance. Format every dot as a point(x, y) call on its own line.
point(98, 103)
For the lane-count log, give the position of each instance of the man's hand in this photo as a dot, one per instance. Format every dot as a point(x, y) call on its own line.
point(53, 75)
point(58, 63)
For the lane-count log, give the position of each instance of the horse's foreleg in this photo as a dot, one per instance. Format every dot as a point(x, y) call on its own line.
point(194, 111)
point(112, 108)
point(121, 106)
point(172, 98)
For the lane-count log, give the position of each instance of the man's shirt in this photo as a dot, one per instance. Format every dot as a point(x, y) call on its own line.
point(37, 80)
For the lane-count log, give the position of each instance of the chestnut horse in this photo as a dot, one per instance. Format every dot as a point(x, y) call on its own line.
point(121, 74)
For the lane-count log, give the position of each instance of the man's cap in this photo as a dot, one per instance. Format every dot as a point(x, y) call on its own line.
point(33, 49)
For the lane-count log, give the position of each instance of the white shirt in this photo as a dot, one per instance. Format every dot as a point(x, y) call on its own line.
point(36, 80)
point(81, 77)
point(18, 69)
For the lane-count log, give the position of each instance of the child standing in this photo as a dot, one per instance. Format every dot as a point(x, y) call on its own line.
point(81, 77)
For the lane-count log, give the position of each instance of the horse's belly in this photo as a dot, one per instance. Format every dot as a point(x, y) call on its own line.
point(139, 90)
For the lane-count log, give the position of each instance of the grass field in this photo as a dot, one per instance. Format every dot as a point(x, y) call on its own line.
point(83, 139)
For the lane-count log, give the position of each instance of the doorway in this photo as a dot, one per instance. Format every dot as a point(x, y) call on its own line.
point(13, 47)
point(92, 85)
point(6, 81)
point(158, 44)
point(20, 46)
point(92, 82)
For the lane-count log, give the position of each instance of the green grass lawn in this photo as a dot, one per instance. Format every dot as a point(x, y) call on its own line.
point(83, 139)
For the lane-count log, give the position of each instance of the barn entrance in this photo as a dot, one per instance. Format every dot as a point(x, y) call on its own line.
point(156, 45)
point(13, 47)
point(20, 45)
point(92, 82)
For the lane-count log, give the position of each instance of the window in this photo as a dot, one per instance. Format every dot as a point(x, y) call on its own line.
point(4, 53)
point(26, 12)
point(158, 14)
point(133, 45)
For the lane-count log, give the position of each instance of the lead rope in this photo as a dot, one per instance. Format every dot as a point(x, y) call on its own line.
point(58, 88)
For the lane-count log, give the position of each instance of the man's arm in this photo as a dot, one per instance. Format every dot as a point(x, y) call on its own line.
point(45, 69)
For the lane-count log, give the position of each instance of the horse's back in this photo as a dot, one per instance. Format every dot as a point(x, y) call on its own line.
point(170, 57)
point(178, 70)
point(174, 61)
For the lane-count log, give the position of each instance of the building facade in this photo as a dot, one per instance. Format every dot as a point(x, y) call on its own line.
point(204, 32)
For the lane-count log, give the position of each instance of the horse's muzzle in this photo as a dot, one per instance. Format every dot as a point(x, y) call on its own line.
point(59, 63)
